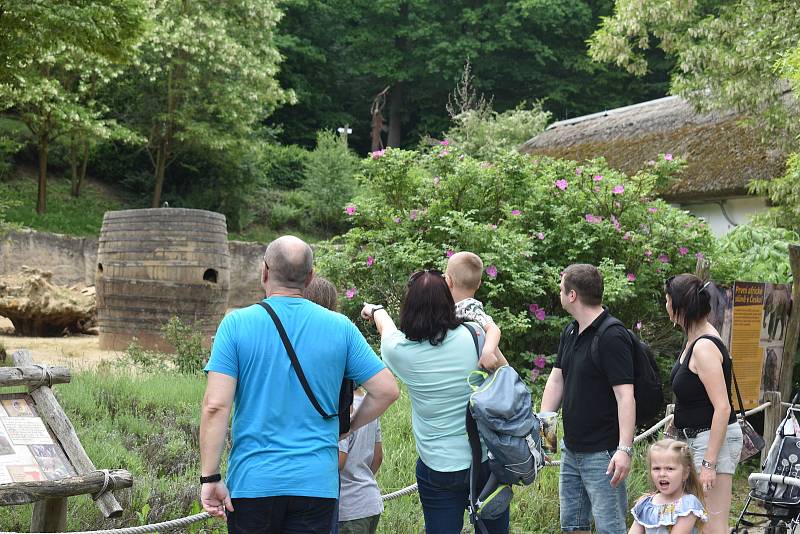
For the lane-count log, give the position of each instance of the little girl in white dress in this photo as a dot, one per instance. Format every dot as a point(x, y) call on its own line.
point(674, 507)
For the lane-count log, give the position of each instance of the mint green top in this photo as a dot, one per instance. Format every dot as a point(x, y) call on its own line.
point(436, 377)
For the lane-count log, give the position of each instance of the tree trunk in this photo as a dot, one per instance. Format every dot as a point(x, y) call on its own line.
point(161, 166)
point(164, 142)
point(84, 164)
point(395, 115)
point(73, 165)
point(41, 200)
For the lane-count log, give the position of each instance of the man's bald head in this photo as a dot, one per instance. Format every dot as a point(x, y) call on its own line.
point(290, 261)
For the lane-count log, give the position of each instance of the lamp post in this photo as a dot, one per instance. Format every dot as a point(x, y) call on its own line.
point(344, 131)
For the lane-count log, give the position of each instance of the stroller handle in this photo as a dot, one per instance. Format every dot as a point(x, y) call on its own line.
point(777, 479)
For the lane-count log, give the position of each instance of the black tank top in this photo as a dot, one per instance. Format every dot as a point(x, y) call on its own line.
point(693, 408)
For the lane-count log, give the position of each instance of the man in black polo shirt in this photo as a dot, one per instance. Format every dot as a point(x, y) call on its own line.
point(599, 410)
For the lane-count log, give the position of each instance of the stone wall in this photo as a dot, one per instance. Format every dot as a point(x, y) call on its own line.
point(73, 260)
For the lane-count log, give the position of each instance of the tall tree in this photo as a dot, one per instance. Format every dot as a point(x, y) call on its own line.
point(51, 50)
point(205, 78)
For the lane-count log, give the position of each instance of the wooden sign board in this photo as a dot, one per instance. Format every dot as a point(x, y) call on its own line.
point(28, 450)
point(757, 326)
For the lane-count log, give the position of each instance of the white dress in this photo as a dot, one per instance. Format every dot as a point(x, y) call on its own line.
point(659, 518)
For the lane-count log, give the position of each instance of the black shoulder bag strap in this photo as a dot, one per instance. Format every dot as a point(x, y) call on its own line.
point(295, 363)
point(607, 323)
point(475, 447)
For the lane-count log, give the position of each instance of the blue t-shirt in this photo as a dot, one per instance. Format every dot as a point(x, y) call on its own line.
point(281, 444)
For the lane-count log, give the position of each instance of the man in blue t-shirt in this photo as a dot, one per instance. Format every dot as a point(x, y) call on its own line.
point(282, 469)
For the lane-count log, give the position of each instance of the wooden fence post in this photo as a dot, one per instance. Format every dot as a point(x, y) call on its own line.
point(49, 515)
point(793, 328)
point(772, 418)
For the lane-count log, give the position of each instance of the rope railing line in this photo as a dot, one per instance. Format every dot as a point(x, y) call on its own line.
point(188, 520)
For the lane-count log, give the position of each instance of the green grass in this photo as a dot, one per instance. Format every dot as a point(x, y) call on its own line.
point(82, 216)
point(149, 425)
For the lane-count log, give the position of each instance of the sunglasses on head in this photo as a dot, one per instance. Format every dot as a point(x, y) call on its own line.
point(415, 275)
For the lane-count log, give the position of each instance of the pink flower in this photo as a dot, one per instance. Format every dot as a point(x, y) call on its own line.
point(561, 184)
point(652, 210)
point(699, 255)
point(534, 374)
point(667, 157)
point(540, 314)
point(631, 277)
point(413, 215)
point(444, 143)
point(491, 271)
point(596, 189)
point(370, 261)
point(593, 219)
point(618, 189)
point(436, 180)
point(443, 153)
point(350, 293)
point(626, 236)
point(616, 224)
point(540, 235)
point(651, 162)
point(533, 307)
point(639, 325)
point(493, 227)
point(378, 154)
point(397, 219)
point(350, 209)
point(449, 253)
point(597, 177)
point(648, 252)
point(578, 171)
point(486, 165)
point(683, 251)
point(516, 212)
point(663, 258)
point(540, 361)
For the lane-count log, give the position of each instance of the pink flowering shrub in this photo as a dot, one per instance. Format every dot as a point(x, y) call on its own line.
point(527, 218)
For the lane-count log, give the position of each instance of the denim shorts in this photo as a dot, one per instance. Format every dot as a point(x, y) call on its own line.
point(728, 456)
point(585, 492)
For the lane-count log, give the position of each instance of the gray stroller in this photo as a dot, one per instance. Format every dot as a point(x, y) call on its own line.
point(777, 488)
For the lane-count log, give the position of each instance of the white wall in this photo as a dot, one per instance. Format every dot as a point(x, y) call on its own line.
point(739, 210)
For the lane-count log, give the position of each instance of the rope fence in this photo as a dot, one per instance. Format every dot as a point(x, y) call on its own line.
point(188, 520)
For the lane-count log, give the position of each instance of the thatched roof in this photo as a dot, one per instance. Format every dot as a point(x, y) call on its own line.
point(722, 157)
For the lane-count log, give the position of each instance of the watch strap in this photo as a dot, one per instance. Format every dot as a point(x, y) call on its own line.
point(210, 478)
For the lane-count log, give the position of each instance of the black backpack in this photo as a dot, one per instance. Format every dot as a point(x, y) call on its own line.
point(646, 377)
point(345, 392)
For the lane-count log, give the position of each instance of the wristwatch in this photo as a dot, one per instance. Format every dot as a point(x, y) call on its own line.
point(626, 450)
point(708, 465)
point(210, 478)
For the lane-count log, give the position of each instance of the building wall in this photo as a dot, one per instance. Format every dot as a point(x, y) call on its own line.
point(73, 261)
point(723, 216)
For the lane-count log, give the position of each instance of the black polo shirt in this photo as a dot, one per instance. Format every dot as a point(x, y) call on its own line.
point(589, 408)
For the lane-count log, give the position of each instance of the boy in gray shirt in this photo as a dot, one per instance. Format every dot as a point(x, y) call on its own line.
point(360, 456)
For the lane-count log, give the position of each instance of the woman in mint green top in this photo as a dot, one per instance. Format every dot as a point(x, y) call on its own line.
point(433, 354)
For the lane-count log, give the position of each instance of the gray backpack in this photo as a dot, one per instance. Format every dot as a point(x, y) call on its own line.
point(500, 413)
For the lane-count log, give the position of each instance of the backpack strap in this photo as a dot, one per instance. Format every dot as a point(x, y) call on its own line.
point(295, 362)
point(477, 453)
point(607, 323)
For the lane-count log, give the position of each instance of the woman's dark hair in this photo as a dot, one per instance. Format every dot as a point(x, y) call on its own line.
point(428, 310)
point(691, 300)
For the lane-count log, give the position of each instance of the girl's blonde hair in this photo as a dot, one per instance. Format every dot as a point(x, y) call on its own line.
point(684, 453)
point(321, 291)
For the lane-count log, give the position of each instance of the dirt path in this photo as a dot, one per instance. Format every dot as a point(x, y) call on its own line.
point(76, 352)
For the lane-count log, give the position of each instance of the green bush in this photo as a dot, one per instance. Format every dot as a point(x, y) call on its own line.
point(527, 218)
point(284, 166)
point(328, 184)
point(189, 356)
point(756, 251)
point(784, 193)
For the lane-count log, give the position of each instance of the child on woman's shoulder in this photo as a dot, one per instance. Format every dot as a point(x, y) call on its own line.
point(463, 276)
point(674, 508)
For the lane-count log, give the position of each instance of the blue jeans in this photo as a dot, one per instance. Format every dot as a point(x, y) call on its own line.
point(281, 515)
point(585, 491)
point(445, 496)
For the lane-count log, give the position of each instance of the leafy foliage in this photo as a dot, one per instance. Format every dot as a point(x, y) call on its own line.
point(754, 251)
point(527, 219)
point(189, 357)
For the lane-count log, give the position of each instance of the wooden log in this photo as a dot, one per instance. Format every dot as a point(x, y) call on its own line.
point(40, 491)
point(33, 376)
point(773, 415)
point(49, 516)
point(793, 328)
point(55, 418)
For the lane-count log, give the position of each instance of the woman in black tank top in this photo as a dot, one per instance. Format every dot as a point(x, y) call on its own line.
point(701, 381)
